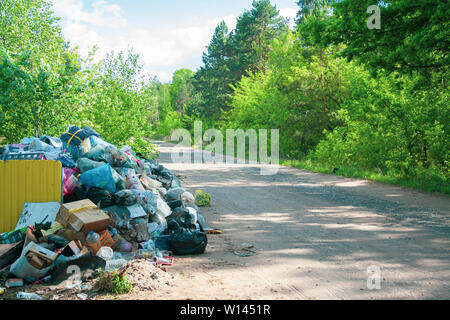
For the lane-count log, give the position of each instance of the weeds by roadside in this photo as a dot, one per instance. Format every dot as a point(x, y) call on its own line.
point(114, 282)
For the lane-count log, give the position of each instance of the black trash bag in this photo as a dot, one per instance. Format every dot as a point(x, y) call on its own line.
point(173, 200)
point(185, 241)
point(58, 241)
point(87, 265)
point(165, 177)
point(96, 195)
point(171, 196)
point(175, 204)
point(182, 217)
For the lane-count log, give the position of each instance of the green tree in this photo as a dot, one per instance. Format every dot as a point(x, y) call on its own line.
point(181, 89)
point(255, 30)
point(316, 8)
point(212, 80)
point(414, 35)
point(119, 104)
point(34, 100)
point(30, 25)
point(231, 55)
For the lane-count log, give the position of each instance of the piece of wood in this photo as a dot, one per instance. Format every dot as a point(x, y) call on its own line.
point(10, 253)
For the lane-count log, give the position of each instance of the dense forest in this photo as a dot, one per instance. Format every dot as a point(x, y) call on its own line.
point(371, 102)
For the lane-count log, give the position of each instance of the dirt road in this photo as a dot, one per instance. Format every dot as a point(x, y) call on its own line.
point(315, 236)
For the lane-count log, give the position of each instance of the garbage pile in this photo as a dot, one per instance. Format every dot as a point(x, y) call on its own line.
point(118, 206)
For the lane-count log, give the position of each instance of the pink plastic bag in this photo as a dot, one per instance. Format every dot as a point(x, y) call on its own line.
point(70, 182)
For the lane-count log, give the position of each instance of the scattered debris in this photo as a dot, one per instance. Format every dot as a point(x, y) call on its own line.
point(145, 276)
point(82, 296)
point(28, 296)
point(245, 250)
point(121, 218)
point(14, 282)
point(242, 254)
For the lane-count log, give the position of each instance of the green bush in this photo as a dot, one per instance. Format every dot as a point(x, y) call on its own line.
point(114, 282)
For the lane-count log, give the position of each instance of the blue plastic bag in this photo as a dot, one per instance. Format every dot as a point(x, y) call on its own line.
point(99, 141)
point(100, 177)
point(72, 150)
point(67, 161)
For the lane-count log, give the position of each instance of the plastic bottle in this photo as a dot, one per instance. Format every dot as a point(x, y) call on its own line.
point(92, 237)
point(114, 264)
point(28, 296)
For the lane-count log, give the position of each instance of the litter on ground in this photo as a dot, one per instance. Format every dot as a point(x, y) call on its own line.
point(119, 220)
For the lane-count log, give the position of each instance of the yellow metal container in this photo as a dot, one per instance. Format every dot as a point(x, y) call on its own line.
point(27, 181)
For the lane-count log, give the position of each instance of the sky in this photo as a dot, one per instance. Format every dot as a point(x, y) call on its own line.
point(167, 34)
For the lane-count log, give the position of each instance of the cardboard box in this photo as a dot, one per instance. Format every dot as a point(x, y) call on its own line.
point(36, 261)
point(82, 215)
point(40, 257)
point(74, 247)
point(21, 268)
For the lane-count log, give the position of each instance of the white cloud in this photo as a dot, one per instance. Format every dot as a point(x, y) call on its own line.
point(169, 48)
point(289, 13)
point(163, 50)
point(101, 14)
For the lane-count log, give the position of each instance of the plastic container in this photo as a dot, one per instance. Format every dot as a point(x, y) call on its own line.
point(14, 282)
point(145, 254)
point(92, 237)
point(114, 264)
point(162, 242)
point(133, 182)
point(28, 296)
point(164, 261)
point(104, 241)
point(106, 253)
